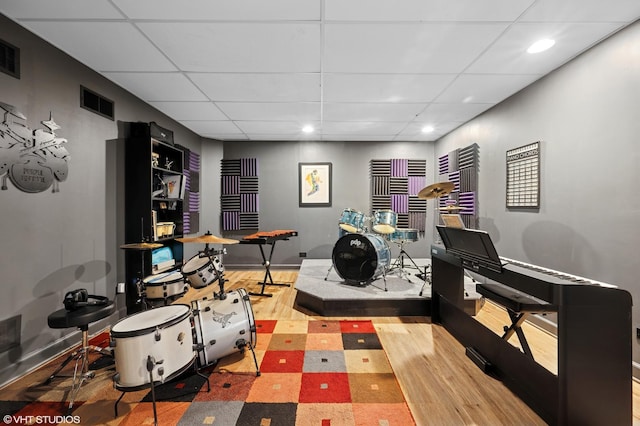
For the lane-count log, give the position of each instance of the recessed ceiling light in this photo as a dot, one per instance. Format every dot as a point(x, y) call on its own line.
point(541, 45)
point(427, 129)
point(307, 129)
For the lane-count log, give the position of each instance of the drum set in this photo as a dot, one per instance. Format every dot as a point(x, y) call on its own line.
point(160, 343)
point(360, 256)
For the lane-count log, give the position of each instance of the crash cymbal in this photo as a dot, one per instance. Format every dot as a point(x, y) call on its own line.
point(207, 239)
point(141, 246)
point(436, 190)
point(450, 208)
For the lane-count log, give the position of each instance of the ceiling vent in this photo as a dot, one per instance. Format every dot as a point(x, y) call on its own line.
point(9, 59)
point(96, 103)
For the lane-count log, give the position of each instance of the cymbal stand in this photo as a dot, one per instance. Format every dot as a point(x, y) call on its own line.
point(399, 262)
point(219, 275)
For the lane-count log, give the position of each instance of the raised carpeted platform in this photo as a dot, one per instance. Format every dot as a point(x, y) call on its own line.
point(407, 294)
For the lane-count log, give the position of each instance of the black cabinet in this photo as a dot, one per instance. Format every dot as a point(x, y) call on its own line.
point(154, 191)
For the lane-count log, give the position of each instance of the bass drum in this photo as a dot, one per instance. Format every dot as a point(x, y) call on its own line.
point(223, 326)
point(361, 258)
point(202, 271)
point(163, 333)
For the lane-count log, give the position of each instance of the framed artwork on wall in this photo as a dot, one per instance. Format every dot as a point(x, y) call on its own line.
point(314, 184)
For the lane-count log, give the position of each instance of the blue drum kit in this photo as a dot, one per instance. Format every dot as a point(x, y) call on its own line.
point(360, 256)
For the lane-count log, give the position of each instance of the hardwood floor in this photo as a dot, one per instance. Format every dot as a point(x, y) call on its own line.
point(441, 385)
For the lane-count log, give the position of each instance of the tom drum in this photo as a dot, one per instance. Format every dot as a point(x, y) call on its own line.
point(223, 326)
point(200, 271)
point(402, 236)
point(351, 220)
point(163, 333)
point(165, 285)
point(385, 221)
point(361, 257)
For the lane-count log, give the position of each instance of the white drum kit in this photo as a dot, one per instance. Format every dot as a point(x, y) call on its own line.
point(158, 344)
point(361, 257)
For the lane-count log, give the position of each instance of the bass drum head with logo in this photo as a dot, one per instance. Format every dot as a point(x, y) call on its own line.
point(361, 257)
point(224, 326)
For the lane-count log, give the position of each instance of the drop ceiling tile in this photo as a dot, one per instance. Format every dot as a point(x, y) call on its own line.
point(103, 46)
point(251, 87)
point(158, 86)
point(190, 110)
point(301, 112)
point(211, 127)
point(59, 9)
point(424, 10)
point(508, 55)
point(227, 137)
point(238, 47)
point(406, 48)
point(362, 128)
point(484, 88)
point(455, 112)
point(583, 11)
point(400, 88)
point(237, 10)
point(282, 137)
point(354, 137)
point(271, 127)
point(371, 111)
point(413, 132)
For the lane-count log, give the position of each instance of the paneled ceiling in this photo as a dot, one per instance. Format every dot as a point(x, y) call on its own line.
point(374, 70)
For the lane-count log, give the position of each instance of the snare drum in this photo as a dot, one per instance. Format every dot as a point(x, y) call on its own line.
point(361, 258)
point(200, 271)
point(385, 221)
point(165, 285)
point(163, 333)
point(223, 326)
point(351, 220)
point(402, 236)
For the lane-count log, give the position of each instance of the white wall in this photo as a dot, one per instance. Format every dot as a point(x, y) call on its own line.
point(587, 115)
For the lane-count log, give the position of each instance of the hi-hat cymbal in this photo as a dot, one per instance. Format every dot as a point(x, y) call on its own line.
point(436, 190)
point(450, 208)
point(207, 239)
point(141, 246)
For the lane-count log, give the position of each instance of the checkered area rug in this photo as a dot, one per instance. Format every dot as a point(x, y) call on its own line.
point(325, 373)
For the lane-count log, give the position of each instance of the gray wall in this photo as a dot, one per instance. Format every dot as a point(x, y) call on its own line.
point(587, 116)
point(317, 226)
point(54, 242)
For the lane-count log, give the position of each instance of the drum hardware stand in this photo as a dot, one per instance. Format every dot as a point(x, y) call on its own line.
point(219, 275)
point(151, 362)
point(399, 262)
point(384, 278)
point(426, 276)
point(242, 344)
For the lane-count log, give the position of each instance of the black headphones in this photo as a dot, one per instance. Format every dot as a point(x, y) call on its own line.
point(76, 299)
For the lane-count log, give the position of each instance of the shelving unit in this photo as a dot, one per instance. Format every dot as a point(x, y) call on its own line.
point(153, 195)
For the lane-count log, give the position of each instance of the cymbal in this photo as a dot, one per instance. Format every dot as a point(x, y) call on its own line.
point(207, 239)
point(436, 190)
point(450, 208)
point(141, 246)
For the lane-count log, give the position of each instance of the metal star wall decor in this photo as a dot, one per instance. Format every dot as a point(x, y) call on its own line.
point(32, 160)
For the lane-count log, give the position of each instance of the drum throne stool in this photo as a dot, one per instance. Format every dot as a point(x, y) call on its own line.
point(81, 317)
